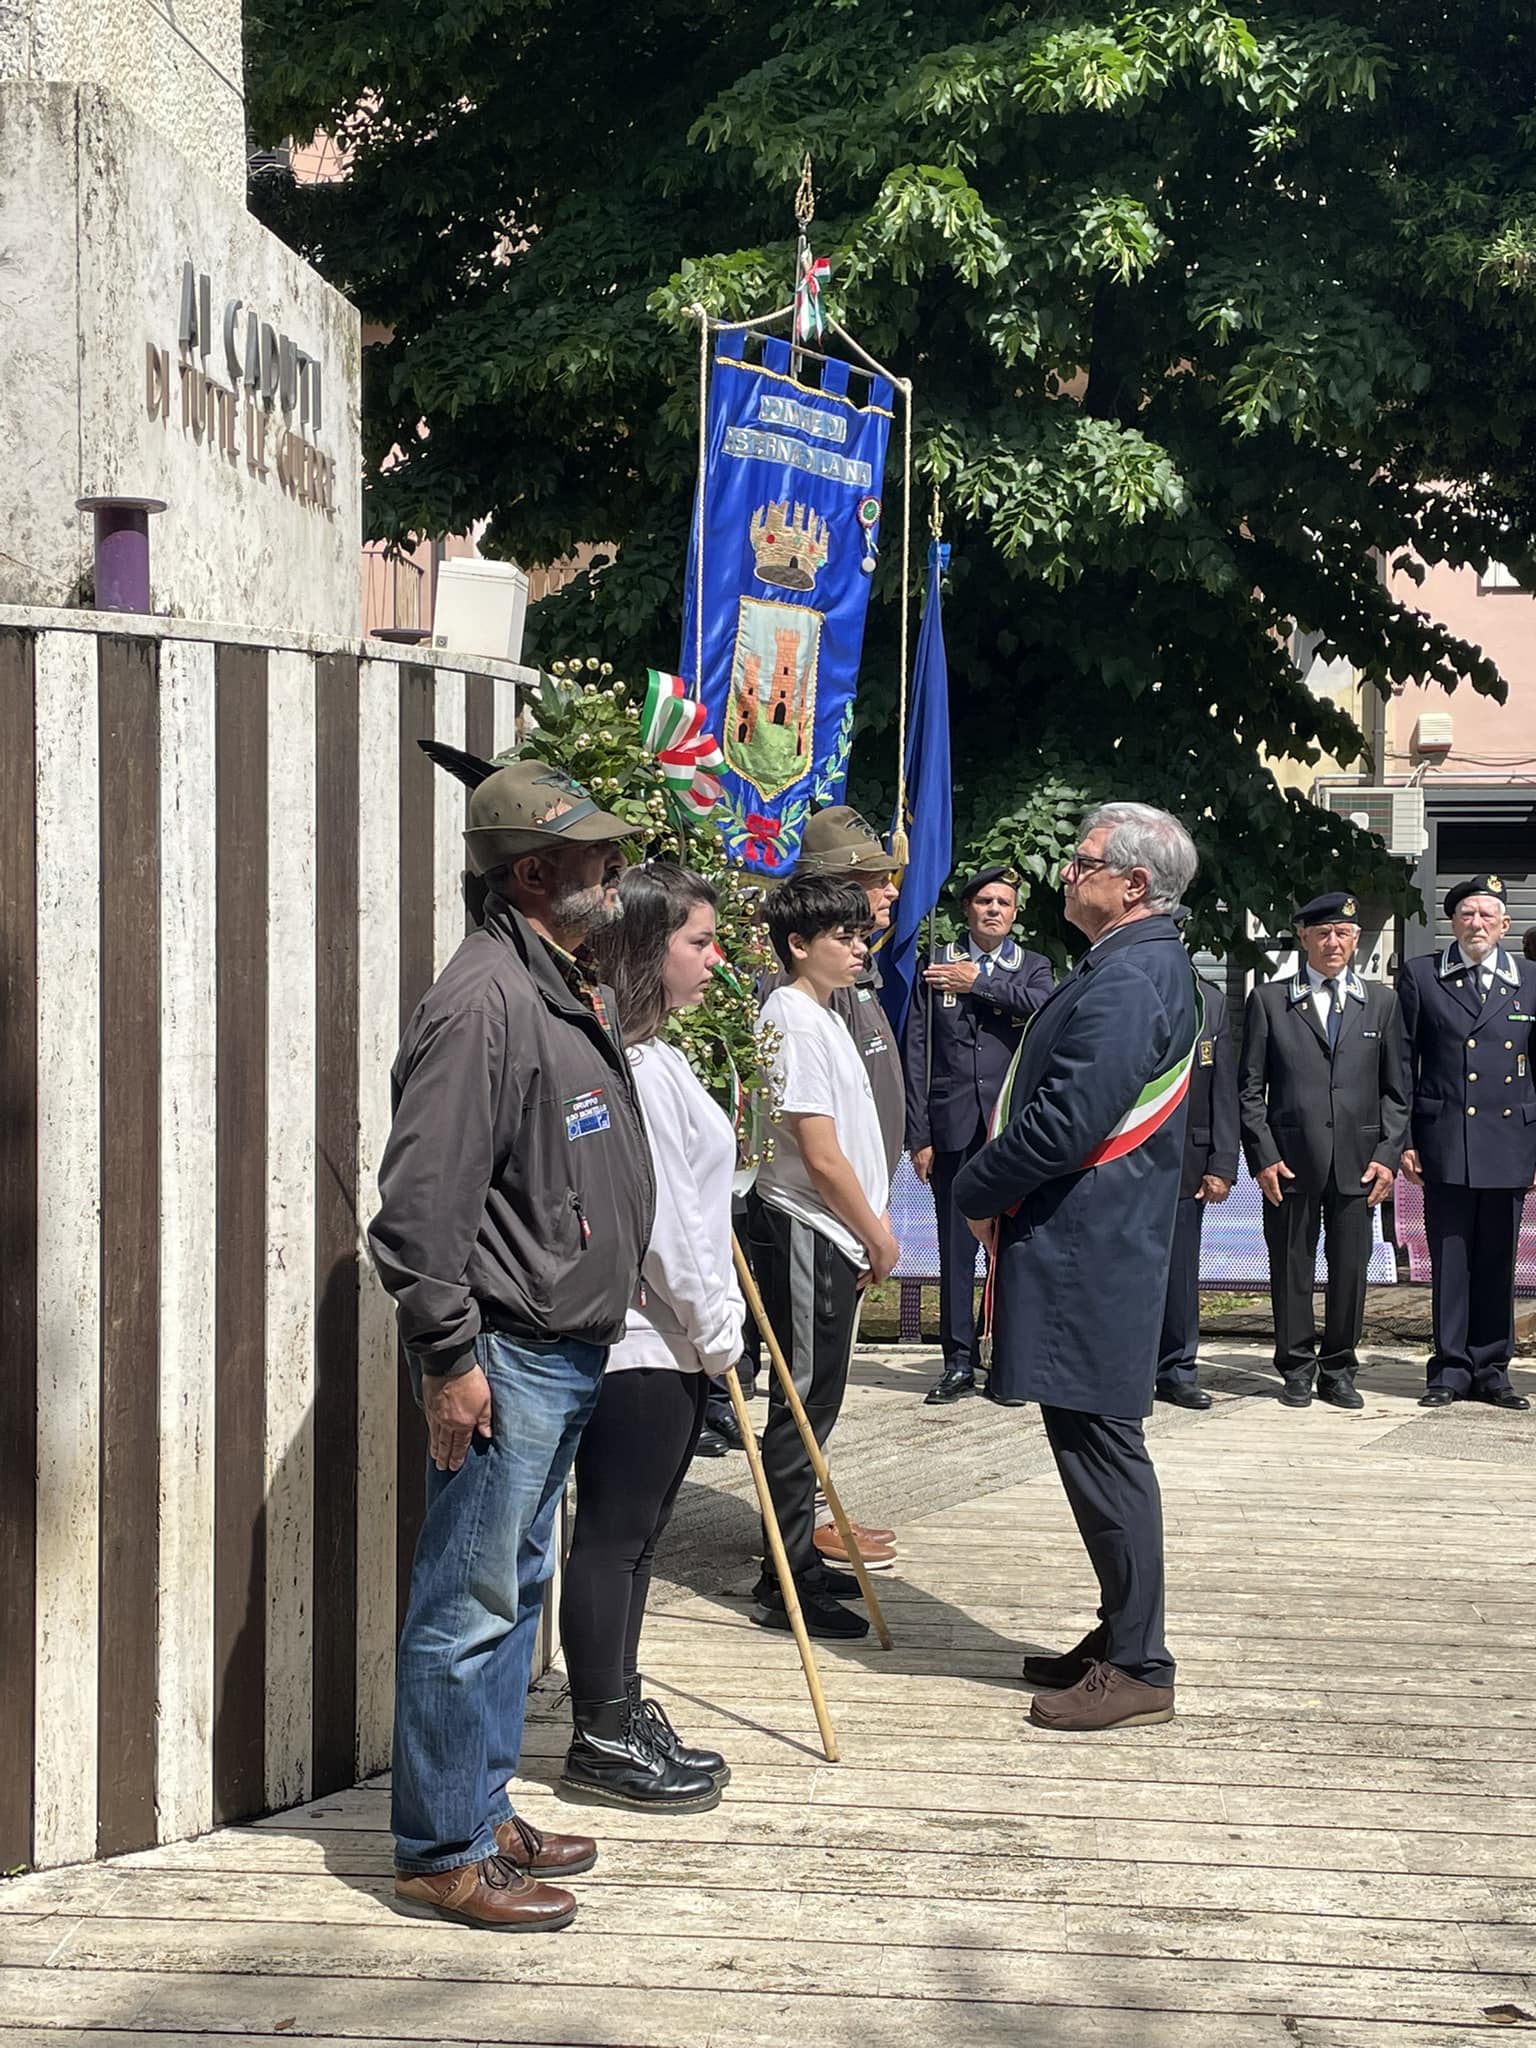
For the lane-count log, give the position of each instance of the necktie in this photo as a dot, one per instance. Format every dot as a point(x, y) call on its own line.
point(986, 963)
point(1335, 1010)
point(1484, 979)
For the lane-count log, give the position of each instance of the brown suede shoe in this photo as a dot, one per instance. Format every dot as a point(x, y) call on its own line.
point(493, 1894)
point(544, 1854)
point(1105, 1698)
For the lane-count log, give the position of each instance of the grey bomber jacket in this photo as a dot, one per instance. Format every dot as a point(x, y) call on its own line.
point(516, 1187)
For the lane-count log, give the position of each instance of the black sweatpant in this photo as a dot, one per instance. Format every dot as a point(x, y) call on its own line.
point(1291, 1231)
point(1112, 1490)
point(811, 1292)
point(629, 1465)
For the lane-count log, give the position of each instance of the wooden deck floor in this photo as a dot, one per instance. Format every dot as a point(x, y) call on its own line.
point(1334, 1845)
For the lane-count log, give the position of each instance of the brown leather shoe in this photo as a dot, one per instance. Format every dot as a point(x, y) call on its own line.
point(1106, 1698)
point(542, 1853)
point(875, 1557)
point(863, 1535)
point(493, 1894)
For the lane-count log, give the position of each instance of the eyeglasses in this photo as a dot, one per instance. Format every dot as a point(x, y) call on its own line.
point(1083, 864)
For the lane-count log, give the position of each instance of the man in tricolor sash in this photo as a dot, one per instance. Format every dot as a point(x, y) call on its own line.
point(1076, 1191)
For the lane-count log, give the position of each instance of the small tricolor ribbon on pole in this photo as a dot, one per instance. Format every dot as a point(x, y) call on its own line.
point(672, 729)
point(809, 319)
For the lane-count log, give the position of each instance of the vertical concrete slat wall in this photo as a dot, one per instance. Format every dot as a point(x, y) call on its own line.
point(226, 875)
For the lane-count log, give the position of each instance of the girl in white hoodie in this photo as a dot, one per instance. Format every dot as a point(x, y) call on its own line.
point(683, 1325)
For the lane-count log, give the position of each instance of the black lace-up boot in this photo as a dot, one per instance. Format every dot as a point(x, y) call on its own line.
point(616, 1760)
point(652, 1716)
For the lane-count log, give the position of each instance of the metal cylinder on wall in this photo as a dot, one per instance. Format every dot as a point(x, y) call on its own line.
point(122, 551)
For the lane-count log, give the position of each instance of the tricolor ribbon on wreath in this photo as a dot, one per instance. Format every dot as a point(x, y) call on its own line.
point(672, 729)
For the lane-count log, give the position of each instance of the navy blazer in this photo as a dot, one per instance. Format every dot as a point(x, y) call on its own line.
point(957, 1049)
point(1211, 1132)
point(1083, 1260)
point(1322, 1111)
point(1469, 1068)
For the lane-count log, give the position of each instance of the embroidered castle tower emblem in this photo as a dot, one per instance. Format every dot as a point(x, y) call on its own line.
point(771, 713)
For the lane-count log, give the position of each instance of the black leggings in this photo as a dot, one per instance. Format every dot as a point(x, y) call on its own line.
point(629, 1465)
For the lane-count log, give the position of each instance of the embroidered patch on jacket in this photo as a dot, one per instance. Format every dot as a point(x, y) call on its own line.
point(585, 1114)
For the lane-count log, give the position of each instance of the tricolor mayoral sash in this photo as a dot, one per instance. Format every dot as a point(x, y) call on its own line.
point(1148, 1113)
point(790, 504)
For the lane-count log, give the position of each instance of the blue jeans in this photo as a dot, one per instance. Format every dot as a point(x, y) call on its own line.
point(485, 1554)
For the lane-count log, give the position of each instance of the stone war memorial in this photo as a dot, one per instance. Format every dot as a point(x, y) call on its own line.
point(159, 343)
point(227, 872)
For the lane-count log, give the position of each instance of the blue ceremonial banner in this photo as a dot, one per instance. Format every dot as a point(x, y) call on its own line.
point(929, 818)
point(790, 504)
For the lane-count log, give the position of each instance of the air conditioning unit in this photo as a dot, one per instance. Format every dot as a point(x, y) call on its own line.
point(1393, 814)
point(1432, 734)
point(480, 608)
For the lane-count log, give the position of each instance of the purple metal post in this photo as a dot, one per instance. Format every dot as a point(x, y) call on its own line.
point(122, 551)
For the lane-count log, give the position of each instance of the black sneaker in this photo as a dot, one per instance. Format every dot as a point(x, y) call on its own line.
point(822, 1617)
point(824, 1579)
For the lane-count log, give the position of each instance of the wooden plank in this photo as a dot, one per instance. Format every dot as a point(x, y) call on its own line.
point(69, 1111)
point(532, 2013)
point(290, 1225)
point(18, 1233)
point(378, 1029)
point(448, 819)
point(405, 1953)
point(418, 797)
point(334, 1725)
point(240, 1522)
point(129, 718)
point(188, 1210)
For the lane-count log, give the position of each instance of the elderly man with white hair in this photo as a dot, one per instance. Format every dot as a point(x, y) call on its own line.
point(1467, 1016)
point(1076, 1190)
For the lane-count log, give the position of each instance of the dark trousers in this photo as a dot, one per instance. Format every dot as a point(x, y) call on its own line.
point(1180, 1341)
point(629, 1466)
point(1291, 1232)
point(811, 1292)
point(1474, 1234)
point(1112, 1490)
point(957, 1260)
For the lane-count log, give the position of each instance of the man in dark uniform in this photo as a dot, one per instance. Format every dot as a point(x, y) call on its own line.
point(1210, 1168)
point(1082, 1182)
point(1467, 1017)
point(1324, 1101)
point(967, 1015)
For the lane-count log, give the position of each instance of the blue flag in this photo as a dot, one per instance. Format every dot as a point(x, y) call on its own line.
point(790, 509)
point(929, 818)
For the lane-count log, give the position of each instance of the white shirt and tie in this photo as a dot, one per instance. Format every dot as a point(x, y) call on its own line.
point(1329, 995)
point(985, 961)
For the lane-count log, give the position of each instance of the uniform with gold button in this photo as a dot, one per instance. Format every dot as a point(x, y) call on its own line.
point(1468, 1014)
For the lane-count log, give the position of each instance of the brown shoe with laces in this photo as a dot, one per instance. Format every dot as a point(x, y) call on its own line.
point(541, 1852)
point(1106, 1697)
point(493, 1894)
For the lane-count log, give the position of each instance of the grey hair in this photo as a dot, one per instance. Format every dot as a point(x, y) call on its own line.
point(1142, 837)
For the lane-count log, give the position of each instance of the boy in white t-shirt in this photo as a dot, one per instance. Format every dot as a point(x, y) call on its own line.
point(820, 1232)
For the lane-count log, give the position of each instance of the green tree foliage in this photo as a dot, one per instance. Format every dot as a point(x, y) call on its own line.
point(1209, 314)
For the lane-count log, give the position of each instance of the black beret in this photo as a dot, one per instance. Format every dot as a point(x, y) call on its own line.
point(1337, 907)
point(982, 876)
point(1475, 885)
